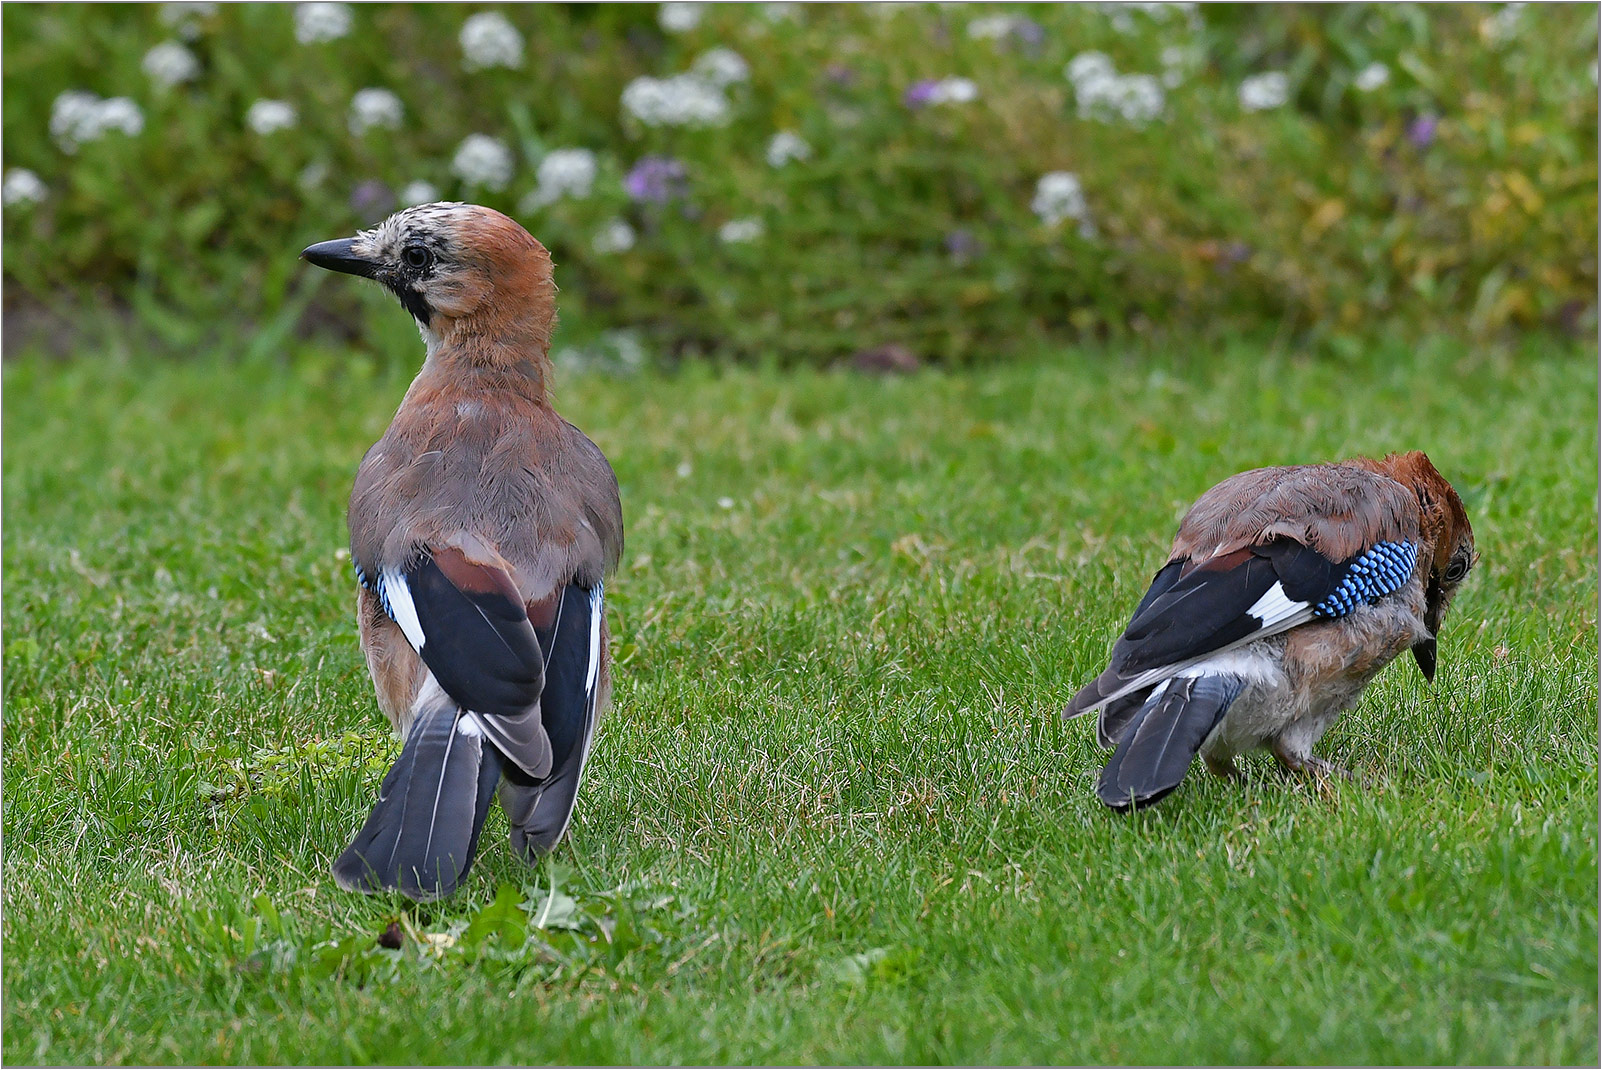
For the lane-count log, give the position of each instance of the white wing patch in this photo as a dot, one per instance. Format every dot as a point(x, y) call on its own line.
point(1275, 606)
point(397, 599)
point(594, 671)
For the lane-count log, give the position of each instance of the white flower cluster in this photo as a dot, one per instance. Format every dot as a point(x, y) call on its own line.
point(680, 17)
point(694, 98)
point(321, 22)
point(481, 160)
point(1122, 14)
point(615, 236)
point(1261, 92)
point(741, 231)
point(993, 27)
point(270, 116)
point(618, 352)
point(1178, 61)
point(1102, 93)
point(184, 17)
point(77, 118)
point(785, 146)
point(1058, 197)
point(722, 67)
point(418, 192)
point(1372, 77)
point(21, 187)
point(679, 100)
point(1503, 25)
point(954, 90)
point(489, 40)
point(169, 64)
point(563, 173)
point(372, 109)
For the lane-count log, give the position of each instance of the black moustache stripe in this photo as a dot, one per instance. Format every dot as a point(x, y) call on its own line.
point(414, 303)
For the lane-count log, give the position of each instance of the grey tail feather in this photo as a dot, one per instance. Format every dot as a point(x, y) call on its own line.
point(1118, 715)
point(1088, 697)
point(422, 834)
point(1156, 751)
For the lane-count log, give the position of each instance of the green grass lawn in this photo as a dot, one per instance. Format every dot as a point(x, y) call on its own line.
point(833, 815)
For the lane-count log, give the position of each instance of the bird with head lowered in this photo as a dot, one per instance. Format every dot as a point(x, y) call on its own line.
point(1286, 591)
point(482, 526)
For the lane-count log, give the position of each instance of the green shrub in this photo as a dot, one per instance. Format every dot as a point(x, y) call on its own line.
point(1430, 166)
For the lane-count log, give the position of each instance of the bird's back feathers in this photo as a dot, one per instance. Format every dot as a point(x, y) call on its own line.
point(1338, 510)
point(482, 461)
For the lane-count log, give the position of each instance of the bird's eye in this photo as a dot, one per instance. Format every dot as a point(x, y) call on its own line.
point(1457, 569)
point(416, 257)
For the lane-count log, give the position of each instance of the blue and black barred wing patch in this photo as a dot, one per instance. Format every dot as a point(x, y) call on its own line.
point(1194, 611)
point(1383, 569)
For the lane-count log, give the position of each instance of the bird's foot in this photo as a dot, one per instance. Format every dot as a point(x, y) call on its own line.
point(1307, 764)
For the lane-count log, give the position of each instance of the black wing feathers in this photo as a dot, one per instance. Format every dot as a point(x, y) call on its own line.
point(1202, 608)
point(539, 810)
point(1308, 576)
point(1198, 613)
point(479, 643)
point(1193, 610)
point(566, 704)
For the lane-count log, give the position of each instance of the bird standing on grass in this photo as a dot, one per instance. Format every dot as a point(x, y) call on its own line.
point(482, 525)
point(1287, 590)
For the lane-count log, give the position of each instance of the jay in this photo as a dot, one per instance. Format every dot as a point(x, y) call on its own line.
point(482, 525)
point(1286, 591)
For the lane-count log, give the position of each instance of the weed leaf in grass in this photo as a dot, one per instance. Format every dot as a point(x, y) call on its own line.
point(502, 918)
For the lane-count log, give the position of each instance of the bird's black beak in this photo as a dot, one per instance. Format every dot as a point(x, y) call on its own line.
point(1424, 654)
point(336, 255)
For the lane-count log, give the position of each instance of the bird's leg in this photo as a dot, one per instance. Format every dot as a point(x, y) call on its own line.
point(1221, 766)
point(1298, 762)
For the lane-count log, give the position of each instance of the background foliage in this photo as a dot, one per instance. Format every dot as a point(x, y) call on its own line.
point(1430, 166)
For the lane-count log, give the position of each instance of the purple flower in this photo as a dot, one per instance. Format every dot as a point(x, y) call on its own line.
point(921, 93)
point(839, 74)
point(1028, 33)
point(1235, 252)
point(657, 179)
point(1421, 131)
point(372, 200)
point(961, 245)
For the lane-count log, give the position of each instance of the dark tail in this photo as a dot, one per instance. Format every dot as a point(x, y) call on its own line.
point(1164, 735)
point(539, 810)
point(422, 835)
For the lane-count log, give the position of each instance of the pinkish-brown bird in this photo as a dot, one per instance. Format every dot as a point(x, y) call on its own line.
point(1286, 591)
point(482, 526)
